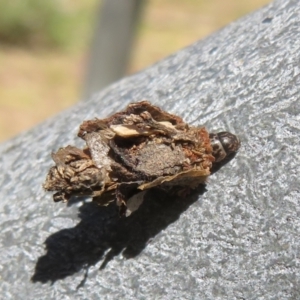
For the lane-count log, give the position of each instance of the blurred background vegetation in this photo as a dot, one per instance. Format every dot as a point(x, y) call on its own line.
point(45, 46)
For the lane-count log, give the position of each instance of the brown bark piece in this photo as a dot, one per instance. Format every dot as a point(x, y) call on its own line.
point(129, 152)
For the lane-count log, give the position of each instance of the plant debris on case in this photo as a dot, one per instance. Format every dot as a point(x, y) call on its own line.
point(132, 151)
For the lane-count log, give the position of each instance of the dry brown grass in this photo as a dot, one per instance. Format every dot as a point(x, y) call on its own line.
point(35, 85)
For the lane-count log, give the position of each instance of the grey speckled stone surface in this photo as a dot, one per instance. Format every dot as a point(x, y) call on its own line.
point(238, 239)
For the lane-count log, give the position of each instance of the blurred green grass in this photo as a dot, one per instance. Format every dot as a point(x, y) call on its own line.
point(45, 24)
point(44, 48)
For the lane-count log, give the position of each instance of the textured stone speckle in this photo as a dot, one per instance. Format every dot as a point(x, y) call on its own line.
point(238, 239)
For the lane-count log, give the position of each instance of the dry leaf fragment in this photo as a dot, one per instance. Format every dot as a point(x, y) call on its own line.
point(134, 150)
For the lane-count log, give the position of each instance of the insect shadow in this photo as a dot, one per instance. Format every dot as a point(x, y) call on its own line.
point(101, 235)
